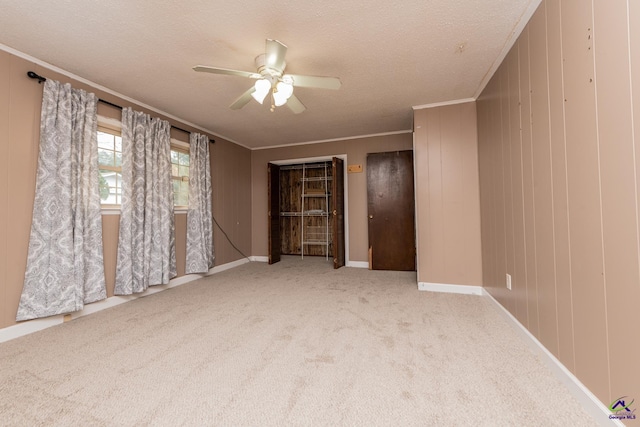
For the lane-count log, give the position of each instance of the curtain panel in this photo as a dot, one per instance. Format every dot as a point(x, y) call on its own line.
point(146, 244)
point(65, 268)
point(200, 253)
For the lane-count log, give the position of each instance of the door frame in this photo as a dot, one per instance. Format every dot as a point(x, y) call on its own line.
point(329, 158)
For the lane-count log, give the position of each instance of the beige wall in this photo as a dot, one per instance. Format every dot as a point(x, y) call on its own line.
point(231, 180)
point(447, 195)
point(20, 102)
point(356, 151)
point(559, 188)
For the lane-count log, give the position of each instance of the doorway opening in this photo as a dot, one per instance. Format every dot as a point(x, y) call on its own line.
point(307, 209)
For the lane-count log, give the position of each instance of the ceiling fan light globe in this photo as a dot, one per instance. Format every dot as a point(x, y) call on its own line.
point(279, 99)
point(259, 97)
point(262, 87)
point(285, 89)
point(282, 93)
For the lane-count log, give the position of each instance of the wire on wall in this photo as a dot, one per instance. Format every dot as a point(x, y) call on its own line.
point(228, 239)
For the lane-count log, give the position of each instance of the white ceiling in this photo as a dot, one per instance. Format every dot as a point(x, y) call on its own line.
point(390, 56)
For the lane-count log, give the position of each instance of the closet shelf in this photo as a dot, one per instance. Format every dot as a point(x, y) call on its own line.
point(316, 235)
point(318, 165)
point(317, 178)
point(304, 213)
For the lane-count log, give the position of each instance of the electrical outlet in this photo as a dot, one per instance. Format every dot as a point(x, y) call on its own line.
point(509, 281)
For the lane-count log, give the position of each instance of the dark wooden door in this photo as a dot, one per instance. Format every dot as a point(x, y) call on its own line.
point(273, 186)
point(391, 210)
point(337, 197)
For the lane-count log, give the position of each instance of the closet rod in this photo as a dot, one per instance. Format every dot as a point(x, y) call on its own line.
point(41, 79)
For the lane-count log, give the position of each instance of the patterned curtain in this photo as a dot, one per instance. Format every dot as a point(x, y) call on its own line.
point(146, 245)
point(199, 225)
point(65, 268)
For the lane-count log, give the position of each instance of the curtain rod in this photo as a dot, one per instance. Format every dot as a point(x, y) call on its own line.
point(41, 79)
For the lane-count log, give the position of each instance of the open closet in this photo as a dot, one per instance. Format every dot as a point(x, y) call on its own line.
point(306, 210)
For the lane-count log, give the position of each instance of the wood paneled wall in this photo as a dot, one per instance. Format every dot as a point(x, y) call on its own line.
point(20, 103)
point(447, 195)
point(559, 175)
point(231, 182)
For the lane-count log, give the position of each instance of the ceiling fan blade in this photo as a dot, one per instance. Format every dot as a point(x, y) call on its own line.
point(295, 105)
point(218, 70)
point(314, 81)
point(274, 54)
point(242, 99)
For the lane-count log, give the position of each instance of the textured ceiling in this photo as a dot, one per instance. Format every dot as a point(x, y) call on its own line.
point(390, 56)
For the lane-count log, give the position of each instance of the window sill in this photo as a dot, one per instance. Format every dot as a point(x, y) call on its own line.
point(110, 211)
point(116, 211)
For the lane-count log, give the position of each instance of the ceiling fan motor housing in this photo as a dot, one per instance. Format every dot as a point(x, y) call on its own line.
point(266, 71)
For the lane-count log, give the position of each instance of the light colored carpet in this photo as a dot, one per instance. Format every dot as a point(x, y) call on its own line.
point(294, 344)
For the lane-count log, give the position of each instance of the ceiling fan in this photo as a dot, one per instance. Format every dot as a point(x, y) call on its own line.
point(270, 79)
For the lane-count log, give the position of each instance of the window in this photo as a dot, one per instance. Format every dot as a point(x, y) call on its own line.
point(110, 165)
point(180, 176)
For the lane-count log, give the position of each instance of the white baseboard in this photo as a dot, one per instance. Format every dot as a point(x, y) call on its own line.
point(358, 264)
point(451, 289)
point(29, 327)
point(36, 325)
point(227, 266)
point(582, 394)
